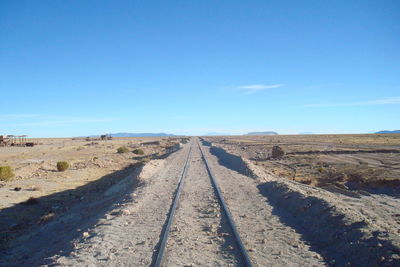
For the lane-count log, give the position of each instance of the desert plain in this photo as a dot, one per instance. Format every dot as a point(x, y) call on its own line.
point(316, 200)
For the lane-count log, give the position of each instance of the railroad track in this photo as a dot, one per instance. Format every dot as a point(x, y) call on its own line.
point(162, 250)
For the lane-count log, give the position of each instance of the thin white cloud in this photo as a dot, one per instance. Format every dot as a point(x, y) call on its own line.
point(382, 101)
point(10, 117)
point(249, 89)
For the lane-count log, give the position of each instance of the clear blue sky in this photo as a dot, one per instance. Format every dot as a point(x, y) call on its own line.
point(71, 68)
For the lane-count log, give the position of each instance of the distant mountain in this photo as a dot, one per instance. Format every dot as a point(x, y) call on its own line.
point(388, 132)
point(262, 133)
point(134, 134)
point(304, 133)
point(139, 134)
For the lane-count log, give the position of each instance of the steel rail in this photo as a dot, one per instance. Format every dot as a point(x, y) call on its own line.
point(245, 255)
point(161, 250)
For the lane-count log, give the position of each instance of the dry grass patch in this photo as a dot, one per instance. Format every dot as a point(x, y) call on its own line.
point(62, 166)
point(138, 151)
point(6, 173)
point(145, 160)
point(122, 149)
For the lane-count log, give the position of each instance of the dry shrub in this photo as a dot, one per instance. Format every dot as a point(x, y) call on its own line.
point(145, 160)
point(327, 175)
point(122, 149)
point(62, 166)
point(6, 173)
point(138, 151)
point(359, 174)
point(366, 175)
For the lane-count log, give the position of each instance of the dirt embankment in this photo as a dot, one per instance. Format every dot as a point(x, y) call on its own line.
point(326, 160)
point(344, 227)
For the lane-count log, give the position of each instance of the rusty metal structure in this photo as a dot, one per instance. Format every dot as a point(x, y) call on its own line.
point(14, 140)
point(4, 140)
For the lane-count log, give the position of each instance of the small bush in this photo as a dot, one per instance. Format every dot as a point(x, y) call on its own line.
point(145, 160)
point(6, 173)
point(122, 149)
point(62, 166)
point(138, 151)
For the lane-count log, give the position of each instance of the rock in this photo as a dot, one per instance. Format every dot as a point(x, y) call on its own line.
point(395, 256)
point(317, 256)
point(277, 152)
point(85, 234)
point(17, 188)
point(126, 212)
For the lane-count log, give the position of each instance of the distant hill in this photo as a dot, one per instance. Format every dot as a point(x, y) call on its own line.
point(262, 133)
point(305, 133)
point(388, 132)
point(139, 134)
point(134, 134)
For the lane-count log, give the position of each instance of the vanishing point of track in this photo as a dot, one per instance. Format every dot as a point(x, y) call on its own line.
point(164, 236)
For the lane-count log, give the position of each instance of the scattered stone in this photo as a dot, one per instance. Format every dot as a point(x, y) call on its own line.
point(317, 256)
point(85, 234)
point(395, 256)
point(126, 212)
point(17, 188)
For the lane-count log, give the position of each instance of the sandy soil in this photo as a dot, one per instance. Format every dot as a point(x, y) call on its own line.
point(122, 225)
point(370, 162)
point(344, 226)
point(35, 167)
point(200, 235)
point(95, 167)
point(269, 241)
point(281, 222)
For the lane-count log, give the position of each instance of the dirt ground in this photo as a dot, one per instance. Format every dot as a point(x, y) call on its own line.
point(118, 219)
point(94, 166)
point(345, 220)
point(369, 161)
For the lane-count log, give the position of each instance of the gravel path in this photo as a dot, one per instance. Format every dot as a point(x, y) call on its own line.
point(269, 242)
point(129, 235)
point(201, 235)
